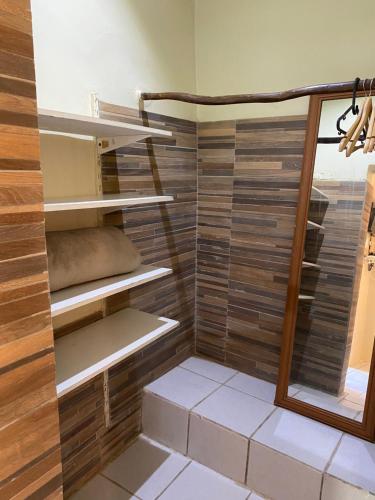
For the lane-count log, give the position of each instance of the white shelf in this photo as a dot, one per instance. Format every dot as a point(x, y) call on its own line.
point(319, 191)
point(310, 265)
point(313, 225)
point(79, 295)
point(85, 353)
point(88, 125)
point(108, 201)
point(305, 297)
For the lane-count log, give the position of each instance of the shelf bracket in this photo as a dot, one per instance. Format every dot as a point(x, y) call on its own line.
point(107, 412)
point(106, 144)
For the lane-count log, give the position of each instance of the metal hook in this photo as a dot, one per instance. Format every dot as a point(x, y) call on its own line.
point(353, 108)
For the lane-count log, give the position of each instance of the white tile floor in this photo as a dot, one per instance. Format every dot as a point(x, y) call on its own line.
point(149, 471)
point(354, 462)
point(196, 387)
point(352, 401)
point(236, 430)
point(234, 410)
point(235, 445)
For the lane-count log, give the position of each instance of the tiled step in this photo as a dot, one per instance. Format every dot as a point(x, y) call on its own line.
point(150, 471)
point(226, 420)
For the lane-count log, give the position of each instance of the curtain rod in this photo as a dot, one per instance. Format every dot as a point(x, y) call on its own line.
point(324, 88)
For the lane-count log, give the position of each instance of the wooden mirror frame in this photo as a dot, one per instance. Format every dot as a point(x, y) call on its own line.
point(366, 428)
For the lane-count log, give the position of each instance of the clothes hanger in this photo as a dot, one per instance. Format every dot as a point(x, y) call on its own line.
point(351, 131)
point(372, 140)
point(370, 129)
point(363, 122)
point(362, 125)
point(353, 108)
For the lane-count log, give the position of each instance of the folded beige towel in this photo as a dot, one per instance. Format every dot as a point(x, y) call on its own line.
point(83, 255)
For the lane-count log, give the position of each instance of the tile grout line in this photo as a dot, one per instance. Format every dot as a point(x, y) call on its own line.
point(224, 384)
point(118, 484)
point(329, 461)
point(188, 434)
point(231, 378)
point(250, 438)
point(192, 461)
point(205, 397)
point(205, 376)
point(174, 479)
point(264, 421)
point(247, 462)
point(251, 395)
point(218, 424)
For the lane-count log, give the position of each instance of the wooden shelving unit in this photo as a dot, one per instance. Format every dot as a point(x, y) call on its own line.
point(85, 353)
point(76, 296)
point(108, 202)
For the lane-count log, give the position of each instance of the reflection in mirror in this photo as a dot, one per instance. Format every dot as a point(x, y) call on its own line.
point(335, 325)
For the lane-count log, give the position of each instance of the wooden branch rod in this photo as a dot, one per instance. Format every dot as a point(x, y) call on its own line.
point(324, 88)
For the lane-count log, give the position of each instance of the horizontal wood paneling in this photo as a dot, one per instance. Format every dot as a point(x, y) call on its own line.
point(30, 464)
point(246, 217)
point(325, 325)
point(216, 151)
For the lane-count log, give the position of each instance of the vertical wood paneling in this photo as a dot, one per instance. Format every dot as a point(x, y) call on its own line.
point(30, 464)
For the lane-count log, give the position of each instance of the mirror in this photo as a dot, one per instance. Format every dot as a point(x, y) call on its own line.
point(330, 329)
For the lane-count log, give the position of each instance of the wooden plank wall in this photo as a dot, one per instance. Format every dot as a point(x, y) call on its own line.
point(325, 326)
point(248, 182)
point(166, 236)
point(30, 464)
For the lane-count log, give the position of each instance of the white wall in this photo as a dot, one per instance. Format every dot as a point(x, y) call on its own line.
point(210, 46)
point(329, 162)
point(269, 45)
point(364, 326)
point(113, 47)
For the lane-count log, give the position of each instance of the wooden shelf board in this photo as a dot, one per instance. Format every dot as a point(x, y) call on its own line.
point(106, 201)
point(305, 297)
point(85, 353)
point(310, 265)
point(313, 225)
point(88, 125)
point(79, 295)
